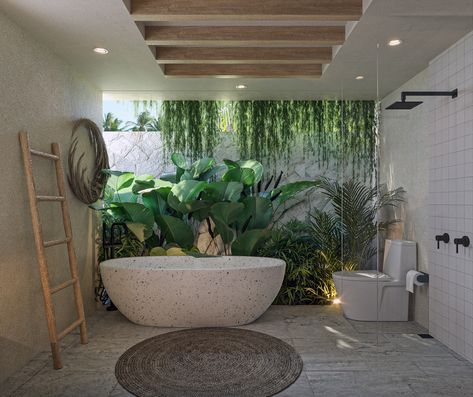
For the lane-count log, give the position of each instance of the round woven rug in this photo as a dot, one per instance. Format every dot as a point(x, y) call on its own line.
point(210, 362)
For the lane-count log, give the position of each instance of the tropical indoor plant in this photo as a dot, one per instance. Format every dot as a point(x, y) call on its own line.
point(231, 199)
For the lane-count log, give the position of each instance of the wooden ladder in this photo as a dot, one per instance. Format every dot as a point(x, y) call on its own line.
point(48, 291)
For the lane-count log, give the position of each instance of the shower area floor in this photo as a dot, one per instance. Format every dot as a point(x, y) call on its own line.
point(341, 358)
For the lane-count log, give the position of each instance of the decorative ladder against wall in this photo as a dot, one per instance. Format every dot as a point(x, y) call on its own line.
point(48, 291)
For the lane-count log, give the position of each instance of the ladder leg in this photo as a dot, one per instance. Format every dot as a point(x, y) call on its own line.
point(70, 247)
point(57, 363)
point(38, 237)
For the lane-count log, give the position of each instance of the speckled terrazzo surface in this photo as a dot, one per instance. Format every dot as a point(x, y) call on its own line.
point(183, 291)
point(341, 358)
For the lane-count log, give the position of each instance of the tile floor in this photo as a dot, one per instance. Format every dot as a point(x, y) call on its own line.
point(341, 358)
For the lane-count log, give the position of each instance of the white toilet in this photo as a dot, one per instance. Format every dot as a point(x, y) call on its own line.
point(369, 295)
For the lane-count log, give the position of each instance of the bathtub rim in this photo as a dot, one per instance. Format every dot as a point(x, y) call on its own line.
point(124, 263)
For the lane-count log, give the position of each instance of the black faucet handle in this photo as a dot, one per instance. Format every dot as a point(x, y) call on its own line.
point(442, 237)
point(465, 241)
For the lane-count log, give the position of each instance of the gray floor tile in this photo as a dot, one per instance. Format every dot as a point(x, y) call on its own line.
point(341, 358)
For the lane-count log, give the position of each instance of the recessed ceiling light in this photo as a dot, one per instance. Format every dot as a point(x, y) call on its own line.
point(394, 42)
point(359, 77)
point(241, 86)
point(100, 50)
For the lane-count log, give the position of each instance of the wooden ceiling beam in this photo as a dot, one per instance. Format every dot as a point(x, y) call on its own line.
point(238, 71)
point(191, 10)
point(245, 55)
point(294, 36)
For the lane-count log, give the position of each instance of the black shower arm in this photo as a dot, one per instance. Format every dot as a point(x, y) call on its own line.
point(452, 94)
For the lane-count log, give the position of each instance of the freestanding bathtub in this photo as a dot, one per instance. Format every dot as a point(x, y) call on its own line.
point(183, 291)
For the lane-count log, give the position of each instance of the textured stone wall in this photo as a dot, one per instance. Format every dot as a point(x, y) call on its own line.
point(42, 95)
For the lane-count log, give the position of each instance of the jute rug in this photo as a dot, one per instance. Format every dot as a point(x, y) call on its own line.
point(210, 362)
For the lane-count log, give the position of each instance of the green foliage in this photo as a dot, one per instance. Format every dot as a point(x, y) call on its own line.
point(190, 127)
point(335, 132)
point(111, 123)
point(308, 278)
point(144, 122)
point(348, 227)
point(338, 236)
point(170, 209)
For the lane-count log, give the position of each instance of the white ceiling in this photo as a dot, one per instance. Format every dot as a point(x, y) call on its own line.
point(72, 28)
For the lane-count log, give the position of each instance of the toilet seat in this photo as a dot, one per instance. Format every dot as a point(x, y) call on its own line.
point(363, 275)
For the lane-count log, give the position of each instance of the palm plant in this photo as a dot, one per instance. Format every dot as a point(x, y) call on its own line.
point(111, 123)
point(308, 278)
point(144, 122)
point(348, 228)
point(155, 125)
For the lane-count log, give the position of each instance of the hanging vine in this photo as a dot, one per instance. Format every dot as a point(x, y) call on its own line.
point(336, 133)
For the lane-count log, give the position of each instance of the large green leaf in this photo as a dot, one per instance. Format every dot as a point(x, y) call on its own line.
point(137, 213)
point(201, 166)
point(256, 166)
point(119, 180)
point(223, 191)
point(199, 209)
point(260, 212)
point(175, 231)
point(125, 196)
point(212, 172)
point(243, 175)
point(231, 164)
point(188, 190)
point(138, 185)
point(179, 161)
point(156, 200)
point(175, 204)
point(144, 177)
point(224, 215)
point(169, 178)
point(290, 190)
point(140, 230)
point(249, 242)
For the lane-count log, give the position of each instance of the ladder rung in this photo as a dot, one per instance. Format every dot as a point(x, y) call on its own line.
point(71, 327)
point(45, 155)
point(65, 284)
point(50, 198)
point(52, 243)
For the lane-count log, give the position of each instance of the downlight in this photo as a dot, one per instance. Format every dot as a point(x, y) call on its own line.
point(394, 42)
point(100, 50)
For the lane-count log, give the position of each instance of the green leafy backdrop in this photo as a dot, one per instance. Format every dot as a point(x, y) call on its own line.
point(337, 133)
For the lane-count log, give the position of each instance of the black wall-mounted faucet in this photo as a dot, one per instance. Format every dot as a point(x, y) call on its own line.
point(442, 237)
point(465, 241)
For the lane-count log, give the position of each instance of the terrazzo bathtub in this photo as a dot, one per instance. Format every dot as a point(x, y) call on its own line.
point(183, 291)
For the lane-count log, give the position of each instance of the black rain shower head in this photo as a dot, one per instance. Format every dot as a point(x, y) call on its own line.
point(400, 105)
point(408, 105)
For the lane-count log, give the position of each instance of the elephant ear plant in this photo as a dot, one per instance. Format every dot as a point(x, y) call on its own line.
point(228, 198)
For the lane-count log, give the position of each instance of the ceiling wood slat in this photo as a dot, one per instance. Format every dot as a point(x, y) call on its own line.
point(235, 55)
point(297, 36)
point(186, 10)
point(219, 70)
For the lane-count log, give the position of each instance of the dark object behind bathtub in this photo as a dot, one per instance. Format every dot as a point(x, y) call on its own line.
point(111, 241)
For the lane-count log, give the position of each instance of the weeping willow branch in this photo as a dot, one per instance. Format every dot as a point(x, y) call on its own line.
point(337, 133)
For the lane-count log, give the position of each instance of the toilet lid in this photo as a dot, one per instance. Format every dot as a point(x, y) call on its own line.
point(363, 275)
